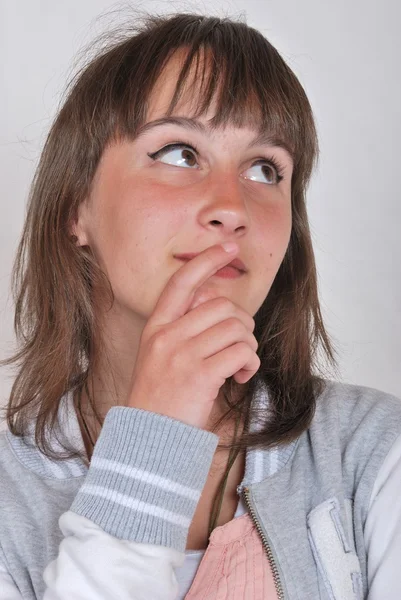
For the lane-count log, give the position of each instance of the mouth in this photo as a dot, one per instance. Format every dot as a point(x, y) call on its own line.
point(235, 265)
point(227, 272)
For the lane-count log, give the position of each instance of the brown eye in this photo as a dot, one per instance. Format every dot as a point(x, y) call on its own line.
point(271, 172)
point(183, 155)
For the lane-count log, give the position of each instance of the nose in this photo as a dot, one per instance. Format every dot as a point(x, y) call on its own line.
point(225, 208)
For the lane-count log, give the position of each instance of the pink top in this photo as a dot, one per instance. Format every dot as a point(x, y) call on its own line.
point(234, 565)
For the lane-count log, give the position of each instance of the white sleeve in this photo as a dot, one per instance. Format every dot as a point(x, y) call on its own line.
point(93, 565)
point(383, 530)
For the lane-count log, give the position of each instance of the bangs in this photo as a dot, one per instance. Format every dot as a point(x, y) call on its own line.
point(223, 62)
point(227, 63)
point(237, 100)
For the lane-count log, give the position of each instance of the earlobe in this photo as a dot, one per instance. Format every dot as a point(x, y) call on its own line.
point(78, 235)
point(77, 231)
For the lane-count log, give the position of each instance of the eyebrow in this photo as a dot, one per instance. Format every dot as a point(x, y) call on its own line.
point(264, 138)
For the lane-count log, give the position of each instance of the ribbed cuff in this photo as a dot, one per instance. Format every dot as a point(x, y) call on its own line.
point(146, 476)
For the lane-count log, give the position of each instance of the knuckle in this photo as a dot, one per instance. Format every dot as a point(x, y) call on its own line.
point(235, 325)
point(211, 259)
point(224, 304)
point(158, 341)
point(254, 342)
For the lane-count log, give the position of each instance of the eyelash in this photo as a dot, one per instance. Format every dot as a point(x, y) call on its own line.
point(272, 161)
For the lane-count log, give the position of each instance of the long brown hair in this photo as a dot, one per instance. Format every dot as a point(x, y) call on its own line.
point(53, 278)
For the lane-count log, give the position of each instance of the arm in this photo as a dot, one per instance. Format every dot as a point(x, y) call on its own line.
point(383, 530)
point(127, 527)
point(93, 565)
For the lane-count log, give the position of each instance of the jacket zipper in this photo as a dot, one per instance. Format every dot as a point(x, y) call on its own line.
point(270, 557)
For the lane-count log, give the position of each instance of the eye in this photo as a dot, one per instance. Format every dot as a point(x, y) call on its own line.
point(271, 170)
point(184, 154)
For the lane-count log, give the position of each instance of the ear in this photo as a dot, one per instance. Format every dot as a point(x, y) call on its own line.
point(77, 228)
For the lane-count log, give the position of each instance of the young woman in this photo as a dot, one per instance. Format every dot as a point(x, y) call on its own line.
point(168, 434)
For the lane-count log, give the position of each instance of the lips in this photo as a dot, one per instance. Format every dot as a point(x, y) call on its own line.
point(236, 263)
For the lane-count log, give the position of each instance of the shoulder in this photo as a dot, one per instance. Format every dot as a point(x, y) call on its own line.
point(352, 408)
point(6, 454)
point(9, 463)
point(357, 424)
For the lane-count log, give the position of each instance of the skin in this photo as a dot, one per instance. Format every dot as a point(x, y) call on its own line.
point(142, 212)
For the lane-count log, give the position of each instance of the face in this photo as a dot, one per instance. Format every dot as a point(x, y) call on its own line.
point(143, 211)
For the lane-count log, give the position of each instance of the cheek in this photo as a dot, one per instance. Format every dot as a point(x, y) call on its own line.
point(136, 219)
point(150, 217)
point(274, 231)
point(272, 237)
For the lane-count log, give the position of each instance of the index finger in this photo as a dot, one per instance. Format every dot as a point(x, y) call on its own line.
point(179, 291)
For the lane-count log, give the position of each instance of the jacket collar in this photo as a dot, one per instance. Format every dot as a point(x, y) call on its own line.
point(259, 463)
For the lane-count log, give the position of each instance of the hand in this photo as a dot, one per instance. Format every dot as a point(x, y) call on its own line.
point(185, 355)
